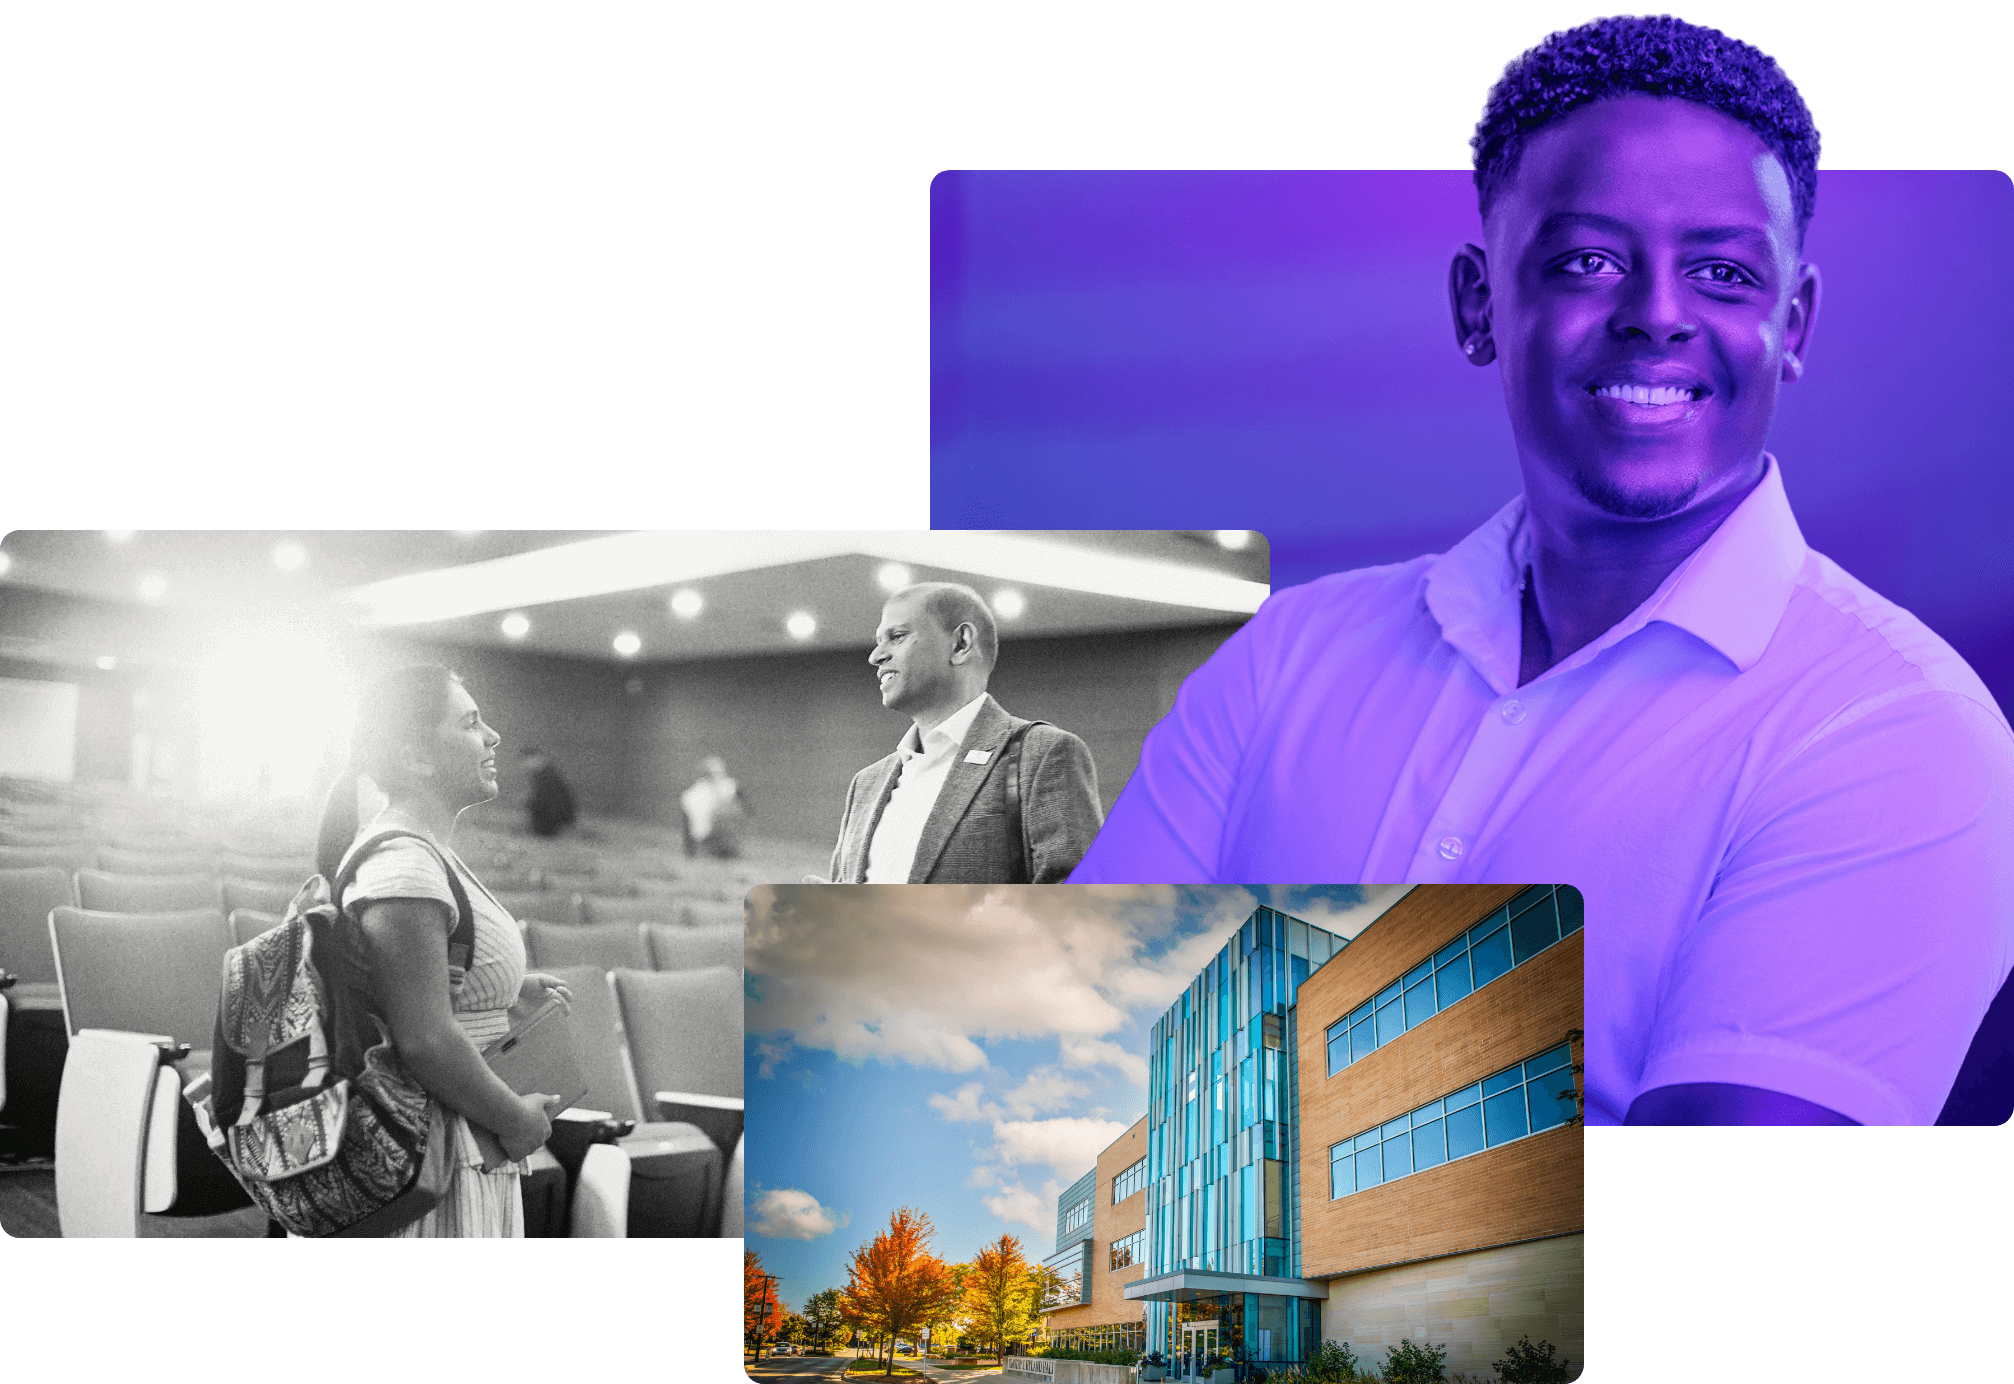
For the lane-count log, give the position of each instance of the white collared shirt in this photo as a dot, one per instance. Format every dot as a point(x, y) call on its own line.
point(919, 779)
point(1788, 805)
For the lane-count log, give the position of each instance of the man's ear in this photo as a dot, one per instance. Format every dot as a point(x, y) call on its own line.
point(1799, 324)
point(1469, 300)
point(964, 642)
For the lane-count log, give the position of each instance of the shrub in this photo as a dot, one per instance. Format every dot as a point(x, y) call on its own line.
point(1525, 1363)
point(1407, 1363)
point(1332, 1363)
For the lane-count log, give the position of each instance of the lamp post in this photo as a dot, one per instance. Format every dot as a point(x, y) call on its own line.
point(770, 1280)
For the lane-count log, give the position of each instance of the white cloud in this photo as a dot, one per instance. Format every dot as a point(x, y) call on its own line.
point(784, 1213)
point(1021, 1206)
point(1069, 1144)
point(927, 973)
point(964, 1106)
point(1097, 1052)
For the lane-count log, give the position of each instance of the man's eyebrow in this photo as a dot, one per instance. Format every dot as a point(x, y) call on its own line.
point(1561, 221)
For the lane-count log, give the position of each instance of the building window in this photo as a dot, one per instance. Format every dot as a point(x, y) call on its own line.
point(1110, 1336)
point(1078, 1216)
point(1527, 1098)
point(1129, 1182)
point(1509, 937)
point(1129, 1251)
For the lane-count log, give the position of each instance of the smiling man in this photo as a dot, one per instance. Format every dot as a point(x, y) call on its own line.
point(1789, 805)
point(971, 795)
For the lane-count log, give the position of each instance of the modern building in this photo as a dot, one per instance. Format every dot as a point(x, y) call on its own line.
point(1353, 1142)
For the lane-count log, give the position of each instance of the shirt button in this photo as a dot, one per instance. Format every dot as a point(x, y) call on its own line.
point(1512, 711)
point(1451, 848)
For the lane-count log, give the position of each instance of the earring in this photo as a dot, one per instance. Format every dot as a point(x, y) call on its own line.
point(1469, 349)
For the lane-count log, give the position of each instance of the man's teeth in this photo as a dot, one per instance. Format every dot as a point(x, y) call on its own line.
point(1645, 393)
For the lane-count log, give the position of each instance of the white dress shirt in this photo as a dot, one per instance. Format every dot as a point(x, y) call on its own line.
point(1788, 804)
point(925, 766)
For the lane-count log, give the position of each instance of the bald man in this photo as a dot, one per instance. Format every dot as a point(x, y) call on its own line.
point(972, 795)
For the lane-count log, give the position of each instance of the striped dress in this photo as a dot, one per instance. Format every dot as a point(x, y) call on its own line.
point(477, 1203)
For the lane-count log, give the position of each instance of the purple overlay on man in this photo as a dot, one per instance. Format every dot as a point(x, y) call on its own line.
point(1788, 804)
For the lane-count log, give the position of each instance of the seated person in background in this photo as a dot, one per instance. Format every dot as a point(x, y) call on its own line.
point(713, 811)
point(972, 795)
point(1789, 805)
point(548, 799)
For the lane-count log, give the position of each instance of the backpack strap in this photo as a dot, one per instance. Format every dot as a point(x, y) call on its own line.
point(1011, 766)
point(462, 941)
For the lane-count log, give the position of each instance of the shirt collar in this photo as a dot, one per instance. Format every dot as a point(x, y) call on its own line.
point(1730, 592)
point(949, 732)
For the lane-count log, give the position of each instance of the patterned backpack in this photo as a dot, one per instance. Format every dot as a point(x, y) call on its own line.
point(306, 1101)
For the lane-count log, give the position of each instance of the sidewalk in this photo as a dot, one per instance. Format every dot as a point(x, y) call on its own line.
point(934, 1370)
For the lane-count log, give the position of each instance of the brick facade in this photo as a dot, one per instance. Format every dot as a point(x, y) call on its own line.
point(1110, 1223)
point(1525, 1190)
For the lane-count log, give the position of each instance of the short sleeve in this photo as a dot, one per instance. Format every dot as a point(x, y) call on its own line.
point(1167, 826)
point(401, 868)
point(1862, 922)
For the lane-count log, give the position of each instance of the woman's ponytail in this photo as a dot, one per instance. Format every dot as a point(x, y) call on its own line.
point(339, 824)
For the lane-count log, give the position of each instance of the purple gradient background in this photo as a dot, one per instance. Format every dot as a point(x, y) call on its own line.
point(1273, 351)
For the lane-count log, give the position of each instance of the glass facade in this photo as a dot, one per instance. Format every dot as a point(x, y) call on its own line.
point(1072, 1264)
point(1526, 1098)
point(1220, 1139)
point(1508, 938)
point(1109, 1336)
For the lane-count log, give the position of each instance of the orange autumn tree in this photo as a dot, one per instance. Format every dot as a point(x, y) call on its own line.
point(758, 1291)
point(1004, 1293)
point(895, 1285)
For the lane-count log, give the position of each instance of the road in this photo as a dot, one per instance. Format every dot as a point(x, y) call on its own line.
point(830, 1367)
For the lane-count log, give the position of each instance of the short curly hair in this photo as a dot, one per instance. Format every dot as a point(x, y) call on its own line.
point(1658, 56)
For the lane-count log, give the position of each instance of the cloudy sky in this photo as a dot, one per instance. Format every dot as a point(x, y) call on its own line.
point(965, 1050)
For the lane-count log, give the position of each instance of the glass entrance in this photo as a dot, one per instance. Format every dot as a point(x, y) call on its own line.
point(1199, 1345)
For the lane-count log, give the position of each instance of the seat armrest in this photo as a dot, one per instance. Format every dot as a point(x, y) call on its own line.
point(601, 1195)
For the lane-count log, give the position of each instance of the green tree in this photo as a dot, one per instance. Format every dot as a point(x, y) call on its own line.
point(1407, 1363)
point(1004, 1293)
point(821, 1317)
point(1525, 1363)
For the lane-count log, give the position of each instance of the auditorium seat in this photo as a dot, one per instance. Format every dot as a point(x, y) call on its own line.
point(547, 908)
point(247, 923)
point(730, 1221)
point(599, 908)
point(141, 972)
point(663, 1179)
point(103, 892)
point(556, 945)
point(285, 869)
point(160, 843)
point(114, 860)
point(126, 1147)
point(675, 948)
point(684, 1038)
point(68, 858)
point(26, 897)
point(711, 913)
point(260, 895)
point(513, 882)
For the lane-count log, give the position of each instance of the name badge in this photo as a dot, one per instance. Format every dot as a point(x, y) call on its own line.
point(978, 756)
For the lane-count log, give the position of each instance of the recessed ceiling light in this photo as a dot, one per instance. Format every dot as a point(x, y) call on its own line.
point(515, 626)
point(893, 576)
point(153, 587)
point(288, 557)
point(107, 663)
point(1009, 603)
point(627, 644)
point(1234, 539)
point(801, 625)
point(686, 603)
point(119, 535)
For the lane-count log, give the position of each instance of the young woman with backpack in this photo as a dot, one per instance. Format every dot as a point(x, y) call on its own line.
point(422, 741)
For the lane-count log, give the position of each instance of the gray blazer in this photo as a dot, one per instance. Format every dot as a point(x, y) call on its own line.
point(966, 838)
